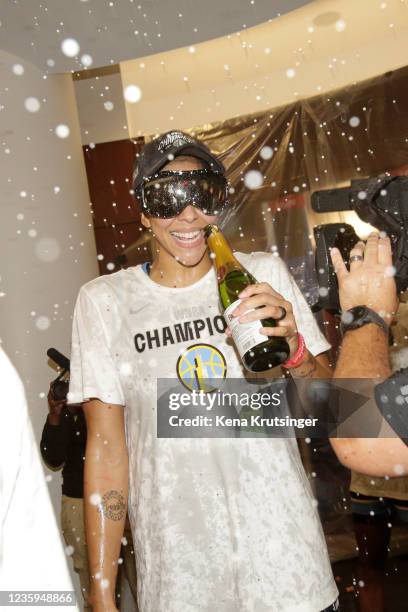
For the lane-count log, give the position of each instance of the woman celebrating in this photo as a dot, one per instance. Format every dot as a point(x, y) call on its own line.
point(222, 525)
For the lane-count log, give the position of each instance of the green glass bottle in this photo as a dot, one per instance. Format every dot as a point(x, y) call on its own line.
point(258, 352)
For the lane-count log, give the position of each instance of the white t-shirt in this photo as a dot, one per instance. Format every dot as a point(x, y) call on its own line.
point(218, 524)
point(31, 554)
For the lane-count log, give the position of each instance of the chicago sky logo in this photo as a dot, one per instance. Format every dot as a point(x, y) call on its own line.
point(200, 366)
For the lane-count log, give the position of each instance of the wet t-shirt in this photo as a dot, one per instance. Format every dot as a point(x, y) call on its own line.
point(218, 524)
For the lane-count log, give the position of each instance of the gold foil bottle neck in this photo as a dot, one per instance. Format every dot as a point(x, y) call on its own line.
point(210, 229)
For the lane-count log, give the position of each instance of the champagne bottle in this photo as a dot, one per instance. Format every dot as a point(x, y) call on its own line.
point(258, 352)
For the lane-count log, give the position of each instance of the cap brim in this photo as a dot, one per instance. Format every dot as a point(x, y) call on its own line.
point(193, 152)
point(214, 163)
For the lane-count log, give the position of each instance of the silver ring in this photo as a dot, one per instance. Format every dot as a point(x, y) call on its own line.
point(283, 314)
point(356, 258)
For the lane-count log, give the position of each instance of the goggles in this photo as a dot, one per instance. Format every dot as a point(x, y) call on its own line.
point(166, 194)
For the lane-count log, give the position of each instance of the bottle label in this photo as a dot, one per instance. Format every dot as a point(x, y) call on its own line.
point(246, 335)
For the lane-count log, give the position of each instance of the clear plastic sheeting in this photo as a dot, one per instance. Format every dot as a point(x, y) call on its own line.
point(275, 160)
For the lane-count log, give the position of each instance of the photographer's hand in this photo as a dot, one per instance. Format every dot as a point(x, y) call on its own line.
point(370, 281)
point(55, 408)
point(364, 353)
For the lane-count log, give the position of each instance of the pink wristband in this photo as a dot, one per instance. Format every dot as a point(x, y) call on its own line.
point(298, 357)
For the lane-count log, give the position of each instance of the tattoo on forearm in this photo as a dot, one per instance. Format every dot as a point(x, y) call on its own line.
point(113, 505)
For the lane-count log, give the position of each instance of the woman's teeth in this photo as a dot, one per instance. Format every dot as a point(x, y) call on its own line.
point(187, 236)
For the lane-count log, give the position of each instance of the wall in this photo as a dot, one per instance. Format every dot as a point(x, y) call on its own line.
point(47, 246)
point(101, 107)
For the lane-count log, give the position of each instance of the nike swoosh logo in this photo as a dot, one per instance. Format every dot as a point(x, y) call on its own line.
point(136, 310)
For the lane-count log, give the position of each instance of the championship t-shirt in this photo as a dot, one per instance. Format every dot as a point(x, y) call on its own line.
point(218, 524)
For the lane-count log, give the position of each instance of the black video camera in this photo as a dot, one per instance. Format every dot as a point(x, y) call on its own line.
point(59, 386)
point(382, 202)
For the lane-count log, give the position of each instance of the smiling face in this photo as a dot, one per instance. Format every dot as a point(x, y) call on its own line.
point(180, 238)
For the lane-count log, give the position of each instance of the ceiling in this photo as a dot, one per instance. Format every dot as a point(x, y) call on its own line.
point(110, 31)
point(323, 46)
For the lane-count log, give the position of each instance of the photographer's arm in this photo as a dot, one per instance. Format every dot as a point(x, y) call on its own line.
point(373, 456)
point(365, 351)
point(364, 354)
point(105, 497)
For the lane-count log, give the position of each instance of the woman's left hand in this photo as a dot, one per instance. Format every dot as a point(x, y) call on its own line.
point(265, 302)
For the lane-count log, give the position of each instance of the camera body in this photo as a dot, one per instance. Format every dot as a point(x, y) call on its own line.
point(382, 202)
point(59, 389)
point(343, 237)
point(60, 386)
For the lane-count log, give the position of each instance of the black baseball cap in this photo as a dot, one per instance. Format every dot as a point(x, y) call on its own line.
point(161, 150)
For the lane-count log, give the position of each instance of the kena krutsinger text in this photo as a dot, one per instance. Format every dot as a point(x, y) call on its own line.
point(252, 401)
